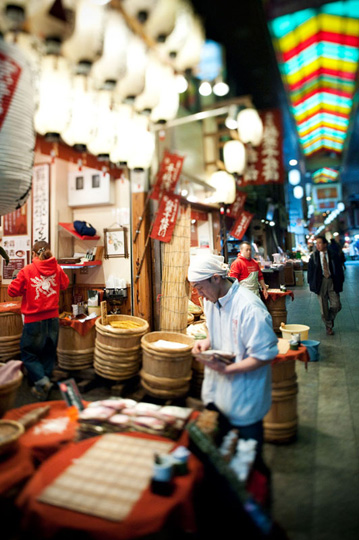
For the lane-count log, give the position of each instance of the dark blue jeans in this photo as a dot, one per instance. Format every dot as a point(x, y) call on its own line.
point(38, 349)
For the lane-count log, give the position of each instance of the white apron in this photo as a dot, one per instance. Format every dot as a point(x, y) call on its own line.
point(251, 283)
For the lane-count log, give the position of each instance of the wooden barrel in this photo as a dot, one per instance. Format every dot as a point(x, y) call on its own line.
point(281, 422)
point(277, 309)
point(166, 372)
point(10, 334)
point(197, 379)
point(118, 352)
point(75, 351)
point(8, 393)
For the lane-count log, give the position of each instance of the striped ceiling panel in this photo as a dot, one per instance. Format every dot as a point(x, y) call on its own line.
point(324, 176)
point(318, 52)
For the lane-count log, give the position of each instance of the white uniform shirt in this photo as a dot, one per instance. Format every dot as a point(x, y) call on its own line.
point(241, 325)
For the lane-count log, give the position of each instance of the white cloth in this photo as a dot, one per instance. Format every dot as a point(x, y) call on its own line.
point(205, 266)
point(251, 283)
point(241, 325)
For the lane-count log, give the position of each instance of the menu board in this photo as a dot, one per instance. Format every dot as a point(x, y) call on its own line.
point(18, 250)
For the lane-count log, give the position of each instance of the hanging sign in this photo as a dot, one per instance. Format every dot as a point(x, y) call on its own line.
point(166, 218)
point(41, 203)
point(265, 162)
point(234, 209)
point(241, 225)
point(15, 223)
point(168, 174)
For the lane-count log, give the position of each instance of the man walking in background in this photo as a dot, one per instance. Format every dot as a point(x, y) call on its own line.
point(326, 278)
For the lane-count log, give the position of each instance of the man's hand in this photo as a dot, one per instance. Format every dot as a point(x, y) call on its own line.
point(201, 345)
point(265, 293)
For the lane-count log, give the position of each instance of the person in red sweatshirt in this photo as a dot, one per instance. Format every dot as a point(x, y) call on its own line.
point(247, 270)
point(39, 284)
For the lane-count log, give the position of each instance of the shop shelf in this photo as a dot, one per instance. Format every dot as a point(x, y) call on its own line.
point(70, 229)
point(88, 264)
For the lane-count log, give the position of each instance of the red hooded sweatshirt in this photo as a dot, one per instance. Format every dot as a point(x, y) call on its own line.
point(39, 284)
point(242, 267)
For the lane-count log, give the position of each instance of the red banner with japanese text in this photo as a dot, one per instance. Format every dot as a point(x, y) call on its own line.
point(265, 162)
point(166, 218)
point(241, 225)
point(168, 174)
point(238, 205)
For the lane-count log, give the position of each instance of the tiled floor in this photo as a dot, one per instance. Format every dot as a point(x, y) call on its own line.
point(316, 478)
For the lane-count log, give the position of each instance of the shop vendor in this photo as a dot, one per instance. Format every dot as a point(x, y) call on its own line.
point(247, 271)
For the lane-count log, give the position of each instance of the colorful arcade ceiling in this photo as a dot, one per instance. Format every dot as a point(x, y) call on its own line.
point(325, 176)
point(318, 52)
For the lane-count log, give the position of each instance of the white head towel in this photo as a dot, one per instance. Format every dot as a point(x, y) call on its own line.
point(205, 266)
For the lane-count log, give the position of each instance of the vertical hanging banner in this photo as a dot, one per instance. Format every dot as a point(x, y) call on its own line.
point(234, 209)
point(241, 225)
point(166, 218)
point(41, 203)
point(168, 174)
point(265, 162)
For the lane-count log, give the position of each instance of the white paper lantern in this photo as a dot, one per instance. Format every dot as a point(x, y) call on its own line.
point(294, 177)
point(234, 156)
point(80, 128)
point(132, 84)
point(40, 21)
point(250, 126)
point(168, 105)
point(17, 135)
point(225, 187)
point(104, 120)
point(142, 144)
point(85, 44)
point(182, 28)
point(162, 18)
point(156, 74)
point(139, 9)
point(124, 127)
point(112, 64)
point(189, 54)
point(298, 192)
point(53, 113)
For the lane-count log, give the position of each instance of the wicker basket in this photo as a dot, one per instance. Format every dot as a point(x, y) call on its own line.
point(74, 351)
point(8, 393)
point(10, 432)
point(166, 372)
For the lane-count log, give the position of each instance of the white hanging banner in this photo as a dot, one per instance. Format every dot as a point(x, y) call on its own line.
point(41, 203)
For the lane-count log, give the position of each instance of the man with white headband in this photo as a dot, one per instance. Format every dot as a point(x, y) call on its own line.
point(238, 322)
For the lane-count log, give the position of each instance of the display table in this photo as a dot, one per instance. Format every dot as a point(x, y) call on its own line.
point(48, 435)
point(276, 305)
point(281, 422)
point(289, 278)
point(15, 469)
point(149, 514)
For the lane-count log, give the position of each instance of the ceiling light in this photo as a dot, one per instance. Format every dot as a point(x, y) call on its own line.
point(294, 177)
point(184, 192)
point(271, 223)
point(298, 192)
point(205, 89)
point(293, 162)
point(220, 88)
point(341, 206)
point(309, 198)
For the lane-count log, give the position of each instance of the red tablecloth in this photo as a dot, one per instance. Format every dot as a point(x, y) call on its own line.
point(149, 514)
point(273, 295)
point(15, 468)
point(11, 306)
point(301, 354)
point(81, 328)
point(39, 440)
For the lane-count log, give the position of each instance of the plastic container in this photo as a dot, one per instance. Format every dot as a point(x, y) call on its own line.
point(288, 330)
point(312, 348)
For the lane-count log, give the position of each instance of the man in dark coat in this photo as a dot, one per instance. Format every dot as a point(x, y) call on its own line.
point(326, 278)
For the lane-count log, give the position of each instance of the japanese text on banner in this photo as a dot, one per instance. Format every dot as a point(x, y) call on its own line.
point(265, 162)
point(168, 174)
point(166, 218)
point(241, 225)
point(234, 209)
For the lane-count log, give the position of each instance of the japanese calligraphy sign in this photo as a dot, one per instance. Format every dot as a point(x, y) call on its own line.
point(265, 162)
point(241, 225)
point(166, 218)
point(168, 174)
point(40, 203)
point(234, 209)
point(9, 75)
point(15, 223)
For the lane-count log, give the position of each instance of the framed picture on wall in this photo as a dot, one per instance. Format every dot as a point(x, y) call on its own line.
point(115, 242)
